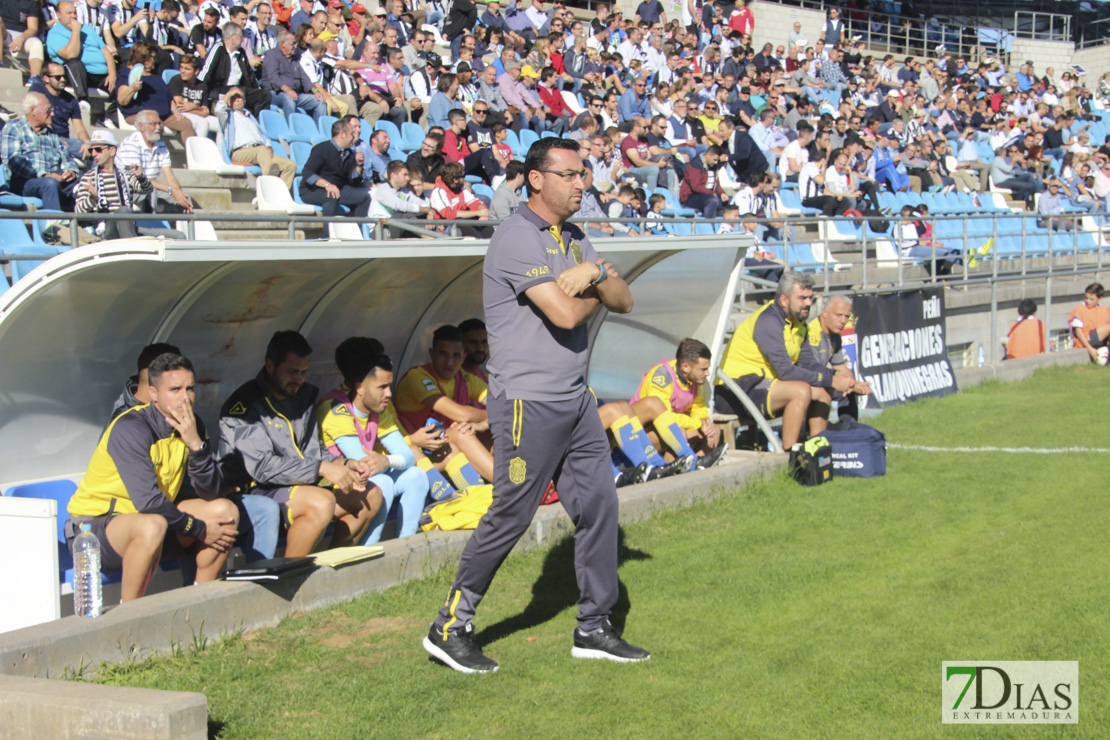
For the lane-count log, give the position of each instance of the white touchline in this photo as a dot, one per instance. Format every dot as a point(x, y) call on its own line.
point(1019, 450)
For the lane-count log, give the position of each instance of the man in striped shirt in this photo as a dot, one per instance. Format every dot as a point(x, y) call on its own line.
point(146, 150)
point(104, 188)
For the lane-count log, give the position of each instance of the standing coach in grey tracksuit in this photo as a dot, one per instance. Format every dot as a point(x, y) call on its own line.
point(542, 282)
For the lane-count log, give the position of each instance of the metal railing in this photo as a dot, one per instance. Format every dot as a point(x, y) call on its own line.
point(1040, 26)
point(1092, 33)
point(990, 34)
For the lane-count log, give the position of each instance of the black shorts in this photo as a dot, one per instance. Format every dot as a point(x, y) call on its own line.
point(1092, 337)
point(282, 495)
point(110, 560)
point(757, 388)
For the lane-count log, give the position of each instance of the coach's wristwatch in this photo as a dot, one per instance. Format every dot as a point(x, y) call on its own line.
point(600, 278)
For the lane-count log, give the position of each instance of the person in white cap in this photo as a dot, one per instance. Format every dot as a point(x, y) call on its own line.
point(104, 188)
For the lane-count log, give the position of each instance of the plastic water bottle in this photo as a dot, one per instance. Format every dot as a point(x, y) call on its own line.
point(87, 599)
point(981, 356)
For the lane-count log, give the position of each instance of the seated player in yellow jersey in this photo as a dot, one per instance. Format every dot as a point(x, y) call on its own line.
point(762, 358)
point(632, 448)
point(476, 345)
point(131, 495)
point(671, 404)
point(441, 391)
point(358, 422)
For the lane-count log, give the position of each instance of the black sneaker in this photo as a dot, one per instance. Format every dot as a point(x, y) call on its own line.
point(655, 472)
point(605, 643)
point(713, 456)
point(632, 475)
point(459, 651)
point(683, 464)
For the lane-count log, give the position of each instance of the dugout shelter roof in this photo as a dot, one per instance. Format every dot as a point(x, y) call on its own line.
point(71, 330)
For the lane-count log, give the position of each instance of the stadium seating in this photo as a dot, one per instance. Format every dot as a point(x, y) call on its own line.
point(299, 152)
point(203, 231)
point(413, 137)
point(348, 231)
point(396, 140)
point(272, 195)
point(323, 127)
point(572, 102)
point(673, 204)
point(202, 153)
point(276, 127)
point(11, 200)
point(483, 191)
point(169, 74)
point(527, 137)
point(513, 142)
point(303, 128)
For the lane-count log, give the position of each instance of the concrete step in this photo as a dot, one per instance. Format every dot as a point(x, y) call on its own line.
point(211, 199)
point(209, 179)
point(275, 225)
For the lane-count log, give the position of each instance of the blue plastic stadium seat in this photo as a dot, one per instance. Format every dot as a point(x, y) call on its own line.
point(980, 227)
point(514, 143)
point(303, 128)
point(169, 74)
point(275, 126)
point(528, 137)
point(678, 228)
point(1007, 246)
point(483, 191)
point(365, 129)
point(673, 204)
point(949, 229)
point(300, 151)
point(395, 138)
point(1063, 242)
point(799, 255)
point(296, 191)
point(1037, 244)
point(251, 168)
point(791, 200)
point(323, 127)
point(413, 136)
point(396, 154)
point(704, 229)
point(11, 200)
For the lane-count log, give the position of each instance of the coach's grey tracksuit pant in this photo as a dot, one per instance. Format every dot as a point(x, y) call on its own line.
point(535, 442)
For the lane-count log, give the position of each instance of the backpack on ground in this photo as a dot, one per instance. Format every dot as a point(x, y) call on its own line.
point(811, 463)
point(858, 450)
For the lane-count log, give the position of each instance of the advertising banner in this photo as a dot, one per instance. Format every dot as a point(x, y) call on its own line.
point(897, 344)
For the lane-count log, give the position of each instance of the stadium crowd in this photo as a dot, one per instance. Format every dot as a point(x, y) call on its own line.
point(421, 110)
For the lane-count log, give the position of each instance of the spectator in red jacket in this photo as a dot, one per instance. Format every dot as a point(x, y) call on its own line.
point(700, 188)
point(558, 114)
point(452, 201)
point(742, 21)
